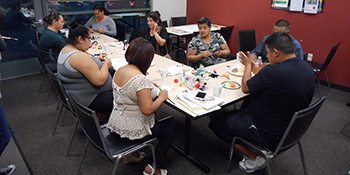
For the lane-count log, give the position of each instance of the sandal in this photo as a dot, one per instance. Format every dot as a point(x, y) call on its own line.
point(162, 171)
point(130, 158)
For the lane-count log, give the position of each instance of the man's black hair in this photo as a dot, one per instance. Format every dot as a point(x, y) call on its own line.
point(283, 23)
point(280, 41)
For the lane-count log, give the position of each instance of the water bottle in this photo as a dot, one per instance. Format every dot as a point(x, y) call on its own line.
point(124, 44)
point(182, 72)
point(259, 61)
point(105, 47)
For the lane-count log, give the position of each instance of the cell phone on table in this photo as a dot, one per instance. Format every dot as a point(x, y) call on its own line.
point(200, 95)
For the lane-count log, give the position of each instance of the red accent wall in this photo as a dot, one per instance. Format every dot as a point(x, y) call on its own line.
point(316, 33)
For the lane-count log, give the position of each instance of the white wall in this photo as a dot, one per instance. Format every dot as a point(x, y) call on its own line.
point(170, 8)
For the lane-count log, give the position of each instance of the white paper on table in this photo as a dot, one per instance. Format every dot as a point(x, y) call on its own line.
point(191, 28)
point(118, 63)
point(117, 44)
point(311, 6)
point(175, 69)
point(196, 109)
point(122, 52)
point(206, 104)
point(296, 5)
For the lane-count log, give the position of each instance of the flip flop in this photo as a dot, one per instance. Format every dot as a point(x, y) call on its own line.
point(162, 171)
point(130, 158)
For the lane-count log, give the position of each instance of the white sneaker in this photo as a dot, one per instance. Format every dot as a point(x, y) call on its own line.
point(8, 170)
point(249, 166)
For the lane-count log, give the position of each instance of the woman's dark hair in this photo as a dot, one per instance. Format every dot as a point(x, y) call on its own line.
point(140, 53)
point(52, 16)
point(101, 8)
point(204, 20)
point(155, 15)
point(76, 31)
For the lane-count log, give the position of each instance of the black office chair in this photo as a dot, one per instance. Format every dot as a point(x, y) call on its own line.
point(226, 32)
point(178, 21)
point(305, 55)
point(246, 40)
point(295, 130)
point(319, 67)
point(164, 23)
point(135, 33)
point(38, 35)
point(64, 101)
point(40, 59)
point(121, 31)
point(109, 144)
point(41, 62)
point(179, 42)
point(53, 59)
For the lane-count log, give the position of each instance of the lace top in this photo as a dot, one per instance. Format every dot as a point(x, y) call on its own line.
point(126, 118)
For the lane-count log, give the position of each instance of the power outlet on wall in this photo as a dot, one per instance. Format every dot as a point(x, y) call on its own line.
point(309, 56)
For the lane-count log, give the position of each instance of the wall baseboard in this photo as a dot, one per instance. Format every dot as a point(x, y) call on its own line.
point(18, 68)
point(334, 86)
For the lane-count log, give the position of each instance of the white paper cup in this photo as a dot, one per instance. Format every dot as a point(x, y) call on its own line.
point(217, 88)
point(163, 74)
point(237, 56)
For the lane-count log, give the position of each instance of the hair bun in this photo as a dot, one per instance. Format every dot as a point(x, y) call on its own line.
point(157, 12)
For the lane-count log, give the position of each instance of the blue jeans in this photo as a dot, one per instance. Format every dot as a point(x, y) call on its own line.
point(4, 131)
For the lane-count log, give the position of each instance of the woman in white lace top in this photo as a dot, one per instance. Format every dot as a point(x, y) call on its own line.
point(133, 113)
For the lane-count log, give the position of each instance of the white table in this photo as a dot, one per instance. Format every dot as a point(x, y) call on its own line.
point(230, 96)
point(189, 29)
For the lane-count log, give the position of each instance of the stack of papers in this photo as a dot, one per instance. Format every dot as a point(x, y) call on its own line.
point(197, 106)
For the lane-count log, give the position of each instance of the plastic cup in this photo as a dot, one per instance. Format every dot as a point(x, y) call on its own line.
point(217, 88)
point(237, 56)
point(163, 74)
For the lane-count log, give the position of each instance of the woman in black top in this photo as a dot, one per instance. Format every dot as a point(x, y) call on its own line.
point(155, 33)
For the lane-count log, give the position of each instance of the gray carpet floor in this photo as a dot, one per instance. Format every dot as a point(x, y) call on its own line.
point(31, 116)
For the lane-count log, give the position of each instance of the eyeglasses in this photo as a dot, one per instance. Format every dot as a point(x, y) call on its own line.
point(94, 37)
point(94, 43)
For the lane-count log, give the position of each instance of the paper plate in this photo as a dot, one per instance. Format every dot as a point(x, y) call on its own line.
point(237, 69)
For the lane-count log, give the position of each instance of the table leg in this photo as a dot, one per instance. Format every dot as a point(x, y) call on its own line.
point(186, 153)
point(177, 48)
point(188, 136)
point(134, 22)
